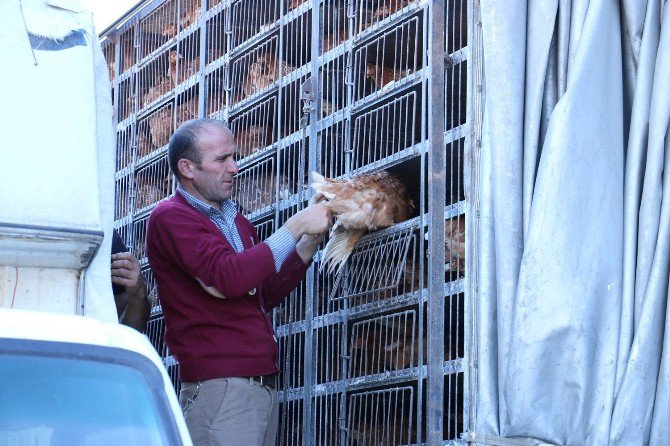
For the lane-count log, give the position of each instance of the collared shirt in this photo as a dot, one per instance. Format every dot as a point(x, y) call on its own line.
point(281, 243)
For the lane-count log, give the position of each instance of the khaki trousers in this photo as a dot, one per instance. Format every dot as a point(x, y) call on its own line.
point(230, 411)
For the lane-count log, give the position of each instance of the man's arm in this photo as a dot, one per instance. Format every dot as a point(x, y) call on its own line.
point(132, 306)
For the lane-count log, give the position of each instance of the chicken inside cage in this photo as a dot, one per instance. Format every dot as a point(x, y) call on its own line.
point(384, 344)
point(383, 76)
point(262, 73)
point(187, 107)
point(249, 18)
point(190, 13)
point(381, 417)
point(454, 245)
point(151, 186)
point(387, 8)
point(251, 139)
point(255, 190)
point(143, 140)
point(160, 126)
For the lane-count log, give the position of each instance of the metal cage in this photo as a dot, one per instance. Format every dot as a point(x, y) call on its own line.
point(379, 353)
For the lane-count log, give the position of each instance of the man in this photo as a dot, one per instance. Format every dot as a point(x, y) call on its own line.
point(217, 283)
point(130, 295)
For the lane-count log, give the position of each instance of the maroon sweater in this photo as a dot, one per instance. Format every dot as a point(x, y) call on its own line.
point(209, 336)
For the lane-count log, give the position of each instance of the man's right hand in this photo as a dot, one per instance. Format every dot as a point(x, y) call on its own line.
point(315, 219)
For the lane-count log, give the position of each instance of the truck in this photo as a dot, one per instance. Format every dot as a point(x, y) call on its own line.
point(70, 373)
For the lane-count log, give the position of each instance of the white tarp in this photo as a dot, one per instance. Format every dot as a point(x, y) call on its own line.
point(57, 134)
point(573, 340)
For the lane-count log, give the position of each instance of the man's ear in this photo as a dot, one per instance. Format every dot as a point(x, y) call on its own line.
point(185, 167)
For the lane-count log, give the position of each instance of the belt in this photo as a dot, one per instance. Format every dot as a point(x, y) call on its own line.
point(265, 380)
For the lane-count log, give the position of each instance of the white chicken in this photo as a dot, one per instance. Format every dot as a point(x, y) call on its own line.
point(360, 204)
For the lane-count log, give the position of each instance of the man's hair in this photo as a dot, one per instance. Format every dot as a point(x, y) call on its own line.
point(184, 141)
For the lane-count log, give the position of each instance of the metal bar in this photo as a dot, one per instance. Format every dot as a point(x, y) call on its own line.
point(474, 112)
point(436, 194)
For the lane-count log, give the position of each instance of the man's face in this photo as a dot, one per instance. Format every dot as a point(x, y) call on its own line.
point(213, 176)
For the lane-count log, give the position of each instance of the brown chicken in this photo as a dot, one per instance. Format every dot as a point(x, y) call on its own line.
point(263, 73)
point(169, 30)
point(454, 244)
point(144, 146)
point(332, 40)
point(191, 14)
point(160, 127)
point(388, 8)
point(387, 432)
point(255, 192)
point(382, 75)
point(187, 110)
point(383, 347)
point(252, 139)
point(160, 87)
point(360, 204)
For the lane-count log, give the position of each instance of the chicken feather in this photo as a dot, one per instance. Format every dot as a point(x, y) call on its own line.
point(360, 204)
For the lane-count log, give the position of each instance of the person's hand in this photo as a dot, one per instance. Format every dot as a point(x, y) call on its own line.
point(126, 272)
point(315, 219)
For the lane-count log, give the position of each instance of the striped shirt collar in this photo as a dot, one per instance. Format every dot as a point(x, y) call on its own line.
point(228, 207)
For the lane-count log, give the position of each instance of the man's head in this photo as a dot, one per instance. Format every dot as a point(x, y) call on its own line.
point(202, 155)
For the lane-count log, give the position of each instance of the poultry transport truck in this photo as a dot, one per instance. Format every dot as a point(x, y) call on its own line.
point(69, 374)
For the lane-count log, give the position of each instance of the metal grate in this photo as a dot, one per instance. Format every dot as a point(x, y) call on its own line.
point(334, 24)
point(382, 63)
point(339, 87)
point(255, 70)
point(187, 106)
point(125, 231)
point(254, 129)
point(157, 78)
point(152, 290)
point(152, 184)
point(333, 153)
point(187, 57)
point(124, 148)
point(387, 130)
point(122, 196)
point(381, 417)
point(332, 77)
point(159, 125)
point(108, 50)
point(293, 307)
point(155, 331)
point(127, 98)
point(249, 18)
point(385, 344)
point(158, 27)
point(265, 229)
point(290, 418)
point(127, 49)
point(327, 420)
point(291, 360)
point(254, 188)
point(328, 351)
point(379, 268)
point(139, 248)
point(217, 38)
point(216, 93)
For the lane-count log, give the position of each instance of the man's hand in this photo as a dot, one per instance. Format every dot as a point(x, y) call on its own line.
point(126, 272)
point(133, 306)
point(314, 220)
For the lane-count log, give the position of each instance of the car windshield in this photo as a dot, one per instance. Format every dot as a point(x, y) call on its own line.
point(63, 401)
